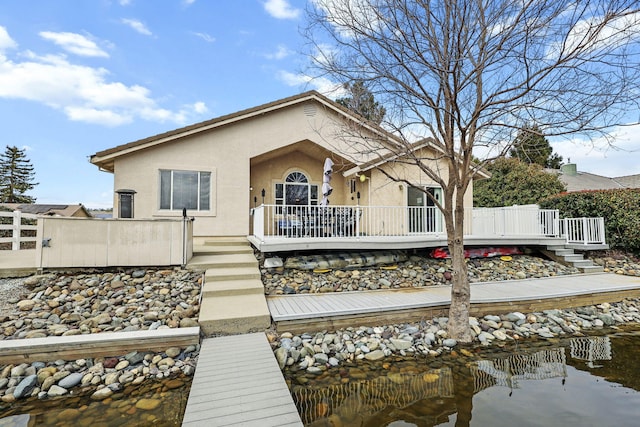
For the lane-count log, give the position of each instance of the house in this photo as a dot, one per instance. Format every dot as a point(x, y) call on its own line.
point(583, 181)
point(275, 161)
point(629, 181)
point(76, 211)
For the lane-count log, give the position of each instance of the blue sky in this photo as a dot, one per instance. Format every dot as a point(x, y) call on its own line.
point(80, 76)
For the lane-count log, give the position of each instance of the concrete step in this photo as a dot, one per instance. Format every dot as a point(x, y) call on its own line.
point(564, 252)
point(238, 314)
point(556, 247)
point(221, 249)
point(223, 274)
point(581, 263)
point(227, 241)
point(215, 288)
point(591, 269)
point(223, 261)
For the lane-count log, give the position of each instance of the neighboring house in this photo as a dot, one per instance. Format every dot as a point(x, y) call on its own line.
point(78, 211)
point(584, 181)
point(629, 181)
point(273, 154)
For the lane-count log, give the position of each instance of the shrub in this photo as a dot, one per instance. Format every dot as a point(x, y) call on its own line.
point(514, 182)
point(619, 208)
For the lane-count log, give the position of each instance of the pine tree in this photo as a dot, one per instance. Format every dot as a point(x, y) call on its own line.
point(16, 176)
point(531, 146)
point(361, 101)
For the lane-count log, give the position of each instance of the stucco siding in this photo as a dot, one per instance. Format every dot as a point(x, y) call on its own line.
point(253, 154)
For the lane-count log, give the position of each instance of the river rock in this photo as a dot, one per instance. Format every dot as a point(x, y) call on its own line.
point(26, 386)
point(450, 342)
point(101, 394)
point(71, 380)
point(55, 391)
point(374, 355)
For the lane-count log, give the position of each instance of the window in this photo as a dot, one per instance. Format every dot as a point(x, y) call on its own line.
point(185, 189)
point(125, 203)
point(296, 190)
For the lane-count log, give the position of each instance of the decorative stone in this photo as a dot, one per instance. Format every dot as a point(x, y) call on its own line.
point(71, 380)
point(374, 355)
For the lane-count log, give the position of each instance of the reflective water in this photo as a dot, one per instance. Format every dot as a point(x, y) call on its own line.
point(154, 403)
point(587, 381)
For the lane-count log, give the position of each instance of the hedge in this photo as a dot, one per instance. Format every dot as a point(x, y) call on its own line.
point(619, 208)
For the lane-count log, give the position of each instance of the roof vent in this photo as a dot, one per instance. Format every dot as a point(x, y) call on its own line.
point(570, 169)
point(309, 110)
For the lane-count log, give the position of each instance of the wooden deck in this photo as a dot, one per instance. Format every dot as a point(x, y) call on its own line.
point(334, 310)
point(238, 383)
point(282, 243)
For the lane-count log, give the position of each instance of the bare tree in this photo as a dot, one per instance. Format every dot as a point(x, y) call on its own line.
point(467, 74)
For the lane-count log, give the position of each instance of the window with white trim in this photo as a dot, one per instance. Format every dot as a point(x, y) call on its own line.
point(296, 191)
point(185, 189)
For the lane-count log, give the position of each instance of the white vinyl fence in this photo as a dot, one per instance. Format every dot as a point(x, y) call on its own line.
point(17, 229)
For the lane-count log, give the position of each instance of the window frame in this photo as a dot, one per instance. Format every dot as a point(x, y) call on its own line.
point(290, 181)
point(203, 190)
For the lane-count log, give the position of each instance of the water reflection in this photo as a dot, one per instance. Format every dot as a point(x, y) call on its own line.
point(535, 384)
point(154, 403)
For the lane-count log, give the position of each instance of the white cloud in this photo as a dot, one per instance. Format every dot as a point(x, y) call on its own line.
point(74, 43)
point(204, 36)
point(281, 53)
point(83, 93)
point(6, 42)
point(200, 108)
point(321, 84)
point(124, 2)
point(617, 157)
point(281, 9)
point(137, 26)
point(188, 2)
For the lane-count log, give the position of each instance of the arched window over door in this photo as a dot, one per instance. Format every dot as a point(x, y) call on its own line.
point(296, 191)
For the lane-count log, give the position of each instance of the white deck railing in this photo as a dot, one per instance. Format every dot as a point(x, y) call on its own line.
point(320, 222)
point(585, 231)
point(12, 225)
point(513, 221)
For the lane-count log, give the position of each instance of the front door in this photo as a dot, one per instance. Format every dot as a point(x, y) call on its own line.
point(424, 216)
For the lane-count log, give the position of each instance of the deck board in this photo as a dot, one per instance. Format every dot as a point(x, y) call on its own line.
point(309, 306)
point(238, 383)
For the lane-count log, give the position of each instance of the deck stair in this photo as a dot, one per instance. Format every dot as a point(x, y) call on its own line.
point(567, 256)
point(233, 300)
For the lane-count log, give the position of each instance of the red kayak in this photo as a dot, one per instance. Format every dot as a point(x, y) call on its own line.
point(442, 253)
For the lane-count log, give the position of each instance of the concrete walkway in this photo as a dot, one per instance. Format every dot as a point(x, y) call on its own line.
point(239, 383)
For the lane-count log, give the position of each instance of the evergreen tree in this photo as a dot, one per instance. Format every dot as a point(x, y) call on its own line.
point(531, 146)
point(361, 101)
point(16, 176)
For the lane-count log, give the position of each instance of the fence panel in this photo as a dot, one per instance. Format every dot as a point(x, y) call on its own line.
point(17, 230)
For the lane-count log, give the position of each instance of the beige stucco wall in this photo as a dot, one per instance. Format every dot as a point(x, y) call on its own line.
point(89, 242)
point(247, 156)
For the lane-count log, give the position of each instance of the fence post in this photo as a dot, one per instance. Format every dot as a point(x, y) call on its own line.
point(584, 230)
point(15, 236)
point(603, 238)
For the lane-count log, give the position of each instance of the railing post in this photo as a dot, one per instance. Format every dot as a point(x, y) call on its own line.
point(603, 239)
point(585, 226)
point(15, 236)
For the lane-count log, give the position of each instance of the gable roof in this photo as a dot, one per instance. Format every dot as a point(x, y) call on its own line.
point(104, 159)
point(583, 181)
point(52, 210)
point(629, 181)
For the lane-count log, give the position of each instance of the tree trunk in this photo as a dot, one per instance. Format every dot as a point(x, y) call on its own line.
point(458, 326)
